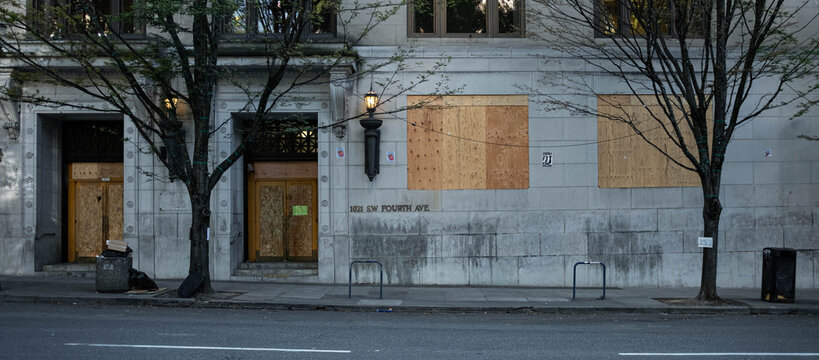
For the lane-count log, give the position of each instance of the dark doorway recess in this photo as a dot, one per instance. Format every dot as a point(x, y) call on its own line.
point(86, 141)
point(92, 141)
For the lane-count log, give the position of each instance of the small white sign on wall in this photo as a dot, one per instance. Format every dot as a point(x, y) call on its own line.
point(705, 242)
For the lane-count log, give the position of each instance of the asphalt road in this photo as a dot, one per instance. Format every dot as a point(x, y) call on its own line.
point(41, 331)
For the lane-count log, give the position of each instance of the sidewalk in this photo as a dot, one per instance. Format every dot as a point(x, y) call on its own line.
point(73, 290)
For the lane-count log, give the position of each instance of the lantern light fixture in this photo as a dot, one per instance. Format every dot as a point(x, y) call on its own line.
point(371, 101)
point(174, 141)
point(372, 136)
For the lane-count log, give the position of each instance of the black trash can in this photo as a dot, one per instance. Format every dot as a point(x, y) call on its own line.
point(113, 274)
point(778, 275)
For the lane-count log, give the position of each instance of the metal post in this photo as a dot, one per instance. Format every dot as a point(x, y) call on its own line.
point(574, 277)
point(381, 279)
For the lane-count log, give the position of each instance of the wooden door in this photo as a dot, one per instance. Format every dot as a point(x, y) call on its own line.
point(282, 220)
point(94, 208)
point(267, 219)
point(302, 221)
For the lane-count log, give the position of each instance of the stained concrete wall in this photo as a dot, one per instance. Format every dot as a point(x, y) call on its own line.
point(533, 237)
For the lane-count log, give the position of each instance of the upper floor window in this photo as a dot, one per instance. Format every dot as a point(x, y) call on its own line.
point(641, 17)
point(61, 18)
point(467, 18)
point(268, 17)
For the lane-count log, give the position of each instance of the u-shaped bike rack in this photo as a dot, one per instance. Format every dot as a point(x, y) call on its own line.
point(574, 277)
point(380, 283)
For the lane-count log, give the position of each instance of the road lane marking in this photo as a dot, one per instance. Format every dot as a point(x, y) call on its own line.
point(720, 354)
point(181, 347)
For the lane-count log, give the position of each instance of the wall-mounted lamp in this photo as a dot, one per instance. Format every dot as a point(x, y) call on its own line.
point(372, 136)
point(174, 140)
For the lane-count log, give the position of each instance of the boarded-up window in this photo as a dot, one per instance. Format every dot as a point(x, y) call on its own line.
point(626, 160)
point(468, 142)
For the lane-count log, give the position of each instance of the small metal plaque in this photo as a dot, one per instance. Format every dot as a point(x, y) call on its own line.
point(547, 159)
point(705, 242)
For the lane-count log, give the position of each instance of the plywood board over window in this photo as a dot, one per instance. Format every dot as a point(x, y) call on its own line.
point(468, 142)
point(626, 160)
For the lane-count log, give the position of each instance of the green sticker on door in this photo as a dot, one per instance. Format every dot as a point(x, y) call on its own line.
point(300, 210)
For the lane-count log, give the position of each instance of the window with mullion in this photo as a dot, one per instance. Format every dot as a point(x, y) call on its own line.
point(642, 17)
point(62, 18)
point(271, 17)
point(466, 18)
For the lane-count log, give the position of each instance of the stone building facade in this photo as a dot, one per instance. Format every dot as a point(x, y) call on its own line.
point(520, 216)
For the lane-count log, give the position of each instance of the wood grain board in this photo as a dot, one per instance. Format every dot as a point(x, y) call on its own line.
point(300, 228)
point(89, 238)
point(96, 171)
point(468, 142)
point(271, 218)
point(626, 160)
point(285, 169)
point(95, 211)
point(114, 217)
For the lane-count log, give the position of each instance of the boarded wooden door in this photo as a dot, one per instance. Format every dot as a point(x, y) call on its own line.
point(282, 220)
point(94, 208)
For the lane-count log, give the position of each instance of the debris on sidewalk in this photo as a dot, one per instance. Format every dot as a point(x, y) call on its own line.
point(146, 292)
point(141, 281)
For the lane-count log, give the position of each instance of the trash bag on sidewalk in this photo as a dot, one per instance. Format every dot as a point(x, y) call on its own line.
point(114, 253)
point(141, 281)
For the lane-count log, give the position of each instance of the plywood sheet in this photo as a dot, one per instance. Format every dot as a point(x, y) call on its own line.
point(424, 148)
point(114, 190)
point(468, 142)
point(300, 228)
point(625, 159)
point(450, 157)
point(507, 164)
point(90, 205)
point(285, 169)
point(471, 152)
point(96, 171)
point(271, 218)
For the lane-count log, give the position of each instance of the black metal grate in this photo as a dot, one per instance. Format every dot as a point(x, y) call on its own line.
point(290, 136)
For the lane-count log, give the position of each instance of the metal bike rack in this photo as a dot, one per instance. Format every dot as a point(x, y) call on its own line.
point(574, 277)
point(380, 283)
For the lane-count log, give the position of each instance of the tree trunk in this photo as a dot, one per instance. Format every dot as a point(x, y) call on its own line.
point(711, 211)
point(200, 223)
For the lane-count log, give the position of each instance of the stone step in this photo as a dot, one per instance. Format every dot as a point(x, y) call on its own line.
point(309, 279)
point(87, 270)
point(276, 272)
point(277, 265)
point(280, 272)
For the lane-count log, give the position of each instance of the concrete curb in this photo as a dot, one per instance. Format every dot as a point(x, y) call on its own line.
point(232, 304)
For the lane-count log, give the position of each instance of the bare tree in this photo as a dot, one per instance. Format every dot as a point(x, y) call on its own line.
point(113, 59)
point(696, 63)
